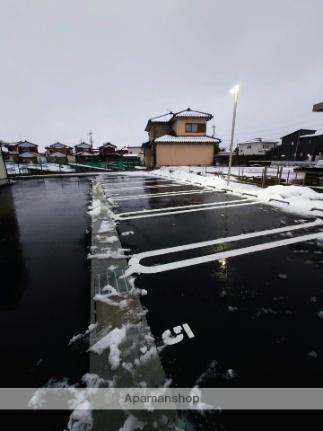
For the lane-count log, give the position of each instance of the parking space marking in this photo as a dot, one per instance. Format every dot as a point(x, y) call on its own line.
point(150, 180)
point(143, 186)
point(136, 267)
point(129, 213)
point(161, 195)
point(241, 203)
point(170, 339)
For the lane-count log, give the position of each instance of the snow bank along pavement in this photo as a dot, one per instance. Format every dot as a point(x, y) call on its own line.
point(296, 199)
point(123, 352)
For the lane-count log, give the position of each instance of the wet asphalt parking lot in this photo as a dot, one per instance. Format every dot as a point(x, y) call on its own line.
point(253, 315)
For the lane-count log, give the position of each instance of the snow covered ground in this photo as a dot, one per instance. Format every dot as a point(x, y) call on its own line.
point(252, 171)
point(296, 199)
point(23, 168)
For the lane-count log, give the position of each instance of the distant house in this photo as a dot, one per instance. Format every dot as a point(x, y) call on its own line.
point(293, 147)
point(107, 151)
point(318, 107)
point(179, 139)
point(84, 152)
point(310, 147)
point(256, 147)
point(59, 153)
point(136, 150)
point(135, 153)
point(22, 151)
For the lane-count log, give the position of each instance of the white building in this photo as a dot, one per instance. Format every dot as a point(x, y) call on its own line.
point(256, 147)
point(136, 150)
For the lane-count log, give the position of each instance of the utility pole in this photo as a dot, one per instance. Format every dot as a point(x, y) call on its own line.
point(213, 133)
point(235, 92)
point(91, 140)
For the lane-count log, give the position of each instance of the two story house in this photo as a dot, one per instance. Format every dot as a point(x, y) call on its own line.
point(179, 138)
point(256, 147)
point(108, 152)
point(294, 147)
point(22, 151)
point(59, 153)
point(84, 152)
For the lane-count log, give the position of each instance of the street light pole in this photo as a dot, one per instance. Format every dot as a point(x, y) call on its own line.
point(235, 92)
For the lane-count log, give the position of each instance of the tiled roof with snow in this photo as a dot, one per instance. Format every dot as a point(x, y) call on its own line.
point(187, 139)
point(191, 113)
point(57, 154)
point(59, 145)
point(26, 144)
point(186, 113)
point(27, 154)
point(108, 144)
point(83, 145)
point(162, 118)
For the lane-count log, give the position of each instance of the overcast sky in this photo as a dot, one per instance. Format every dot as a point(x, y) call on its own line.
point(70, 66)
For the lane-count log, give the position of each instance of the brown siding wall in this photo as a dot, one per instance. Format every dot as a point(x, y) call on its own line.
point(148, 157)
point(158, 130)
point(179, 126)
point(184, 154)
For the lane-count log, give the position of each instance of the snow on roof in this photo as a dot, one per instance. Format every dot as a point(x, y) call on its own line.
point(59, 145)
point(108, 144)
point(313, 135)
point(258, 141)
point(301, 132)
point(26, 144)
point(162, 118)
point(83, 145)
point(57, 154)
point(185, 113)
point(191, 113)
point(10, 144)
point(187, 139)
point(27, 154)
point(84, 153)
point(130, 155)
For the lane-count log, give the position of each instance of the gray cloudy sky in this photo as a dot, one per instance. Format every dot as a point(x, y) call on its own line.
point(70, 66)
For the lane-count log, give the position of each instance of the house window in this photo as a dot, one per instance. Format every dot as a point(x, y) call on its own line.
point(249, 147)
point(195, 128)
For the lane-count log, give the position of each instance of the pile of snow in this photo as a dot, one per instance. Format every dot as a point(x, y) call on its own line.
point(301, 199)
point(297, 199)
point(112, 342)
point(252, 171)
point(111, 297)
point(17, 168)
point(81, 418)
point(77, 337)
point(110, 253)
point(132, 423)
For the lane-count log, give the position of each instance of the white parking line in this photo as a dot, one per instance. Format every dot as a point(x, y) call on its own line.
point(136, 267)
point(161, 195)
point(128, 213)
point(132, 182)
point(242, 203)
point(143, 186)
